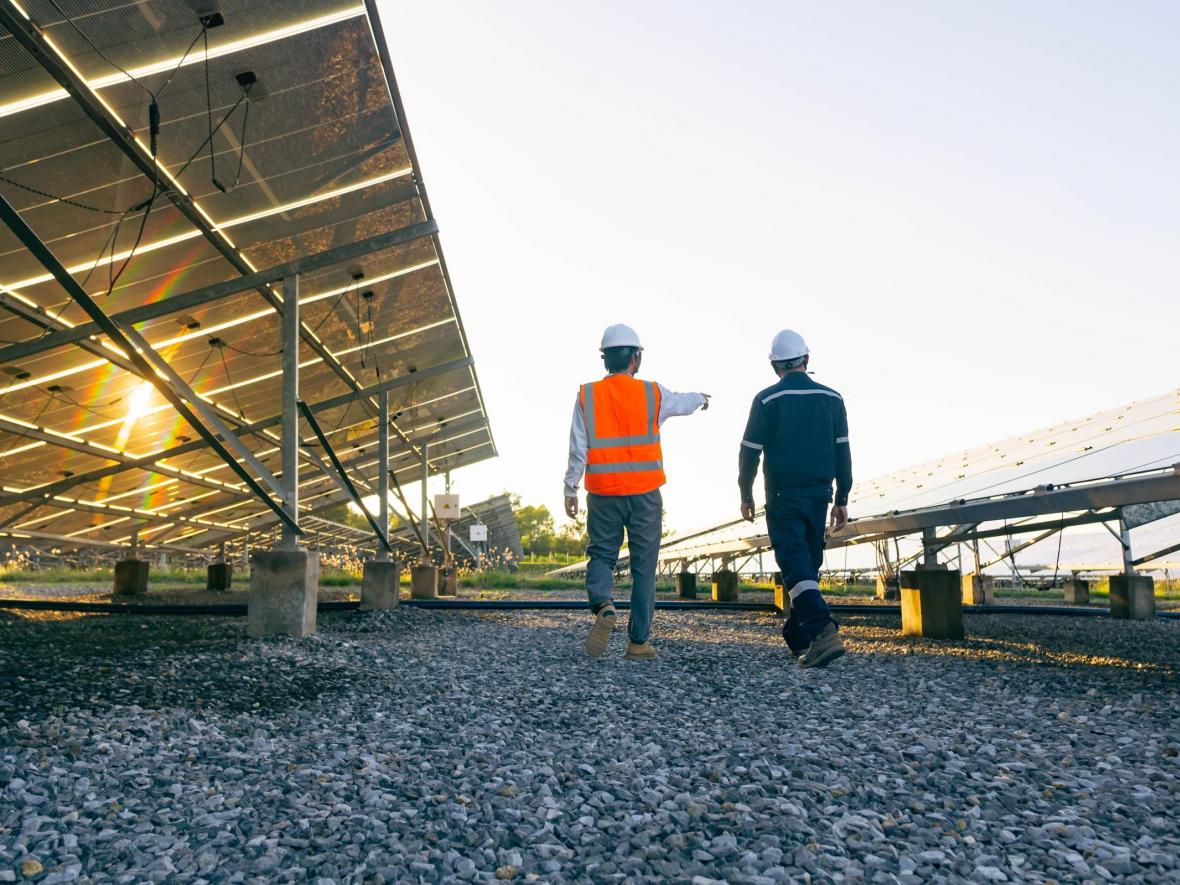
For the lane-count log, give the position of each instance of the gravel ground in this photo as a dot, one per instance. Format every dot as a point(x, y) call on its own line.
point(428, 746)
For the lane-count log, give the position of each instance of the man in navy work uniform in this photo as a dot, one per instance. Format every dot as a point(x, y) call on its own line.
point(800, 429)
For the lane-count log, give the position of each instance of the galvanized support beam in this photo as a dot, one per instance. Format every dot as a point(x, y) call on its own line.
point(1010, 551)
point(32, 38)
point(1153, 556)
point(206, 411)
point(425, 480)
point(356, 498)
point(1125, 537)
point(60, 336)
point(290, 398)
point(1161, 486)
point(67, 541)
point(76, 444)
point(151, 462)
point(50, 262)
point(145, 516)
point(929, 547)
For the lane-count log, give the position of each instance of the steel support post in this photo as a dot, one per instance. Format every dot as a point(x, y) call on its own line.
point(929, 555)
point(290, 425)
point(1125, 537)
point(425, 492)
point(383, 470)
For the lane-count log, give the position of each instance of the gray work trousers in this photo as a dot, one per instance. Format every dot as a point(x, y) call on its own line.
point(642, 517)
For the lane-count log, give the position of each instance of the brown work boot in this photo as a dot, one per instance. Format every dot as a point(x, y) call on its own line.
point(640, 651)
point(824, 649)
point(604, 625)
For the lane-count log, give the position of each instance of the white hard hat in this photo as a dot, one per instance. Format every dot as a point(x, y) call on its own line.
point(788, 345)
point(619, 335)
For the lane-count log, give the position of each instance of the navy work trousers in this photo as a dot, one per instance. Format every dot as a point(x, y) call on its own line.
point(796, 527)
point(606, 517)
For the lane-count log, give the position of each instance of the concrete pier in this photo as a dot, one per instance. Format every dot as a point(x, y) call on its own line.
point(131, 577)
point(782, 598)
point(283, 589)
point(932, 604)
point(725, 586)
point(380, 585)
point(888, 588)
point(979, 589)
point(1077, 592)
point(219, 576)
point(686, 585)
point(1132, 597)
point(424, 582)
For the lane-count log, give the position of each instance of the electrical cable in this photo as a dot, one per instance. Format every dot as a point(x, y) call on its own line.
point(24, 434)
point(1060, 538)
point(251, 353)
point(209, 137)
point(332, 310)
point(59, 199)
point(114, 64)
point(232, 390)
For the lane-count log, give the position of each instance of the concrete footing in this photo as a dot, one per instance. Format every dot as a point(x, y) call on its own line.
point(219, 576)
point(979, 589)
point(888, 588)
point(380, 585)
point(283, 589)
point(448, 582)
point(782, 598)
point(424, 582)
point(1077, 592)
point(932, 604)
point(1132, 597)
point(131, 577)
point(725, 586)
point(686, 585)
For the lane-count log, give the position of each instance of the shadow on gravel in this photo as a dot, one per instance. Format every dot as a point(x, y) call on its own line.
point(93, 663)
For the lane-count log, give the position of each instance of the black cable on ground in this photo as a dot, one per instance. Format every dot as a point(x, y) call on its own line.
point(239, 608)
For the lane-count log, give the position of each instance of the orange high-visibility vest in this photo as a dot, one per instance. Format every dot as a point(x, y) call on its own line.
point(623, 435)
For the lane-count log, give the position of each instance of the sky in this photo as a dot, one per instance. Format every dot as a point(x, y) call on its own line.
point(968, 210)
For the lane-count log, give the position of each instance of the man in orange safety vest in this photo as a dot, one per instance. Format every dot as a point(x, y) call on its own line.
point(615, 442)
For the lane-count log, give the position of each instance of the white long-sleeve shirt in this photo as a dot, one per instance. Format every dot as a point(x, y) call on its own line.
point(671, 405)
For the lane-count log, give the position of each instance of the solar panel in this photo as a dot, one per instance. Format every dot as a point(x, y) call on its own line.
point(323, 165)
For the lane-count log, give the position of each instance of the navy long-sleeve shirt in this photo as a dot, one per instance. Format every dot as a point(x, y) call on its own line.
point(799, 428)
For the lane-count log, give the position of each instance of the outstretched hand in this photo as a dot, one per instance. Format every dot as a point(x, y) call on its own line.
point(748, 512)
point(571, 506)
point(839, 518)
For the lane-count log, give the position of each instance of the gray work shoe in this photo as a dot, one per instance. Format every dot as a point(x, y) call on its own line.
point(604, 625)
point(640, 651)
point(825, 648)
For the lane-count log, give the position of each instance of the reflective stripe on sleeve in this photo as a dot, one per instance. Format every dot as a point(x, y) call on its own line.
point(749, 445)
point(841, 439)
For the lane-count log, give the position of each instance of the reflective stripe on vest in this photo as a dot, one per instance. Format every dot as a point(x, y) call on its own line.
point(630, 463)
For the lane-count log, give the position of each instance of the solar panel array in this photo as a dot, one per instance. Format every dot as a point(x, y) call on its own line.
point(310, 157)
point(1141, 436)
